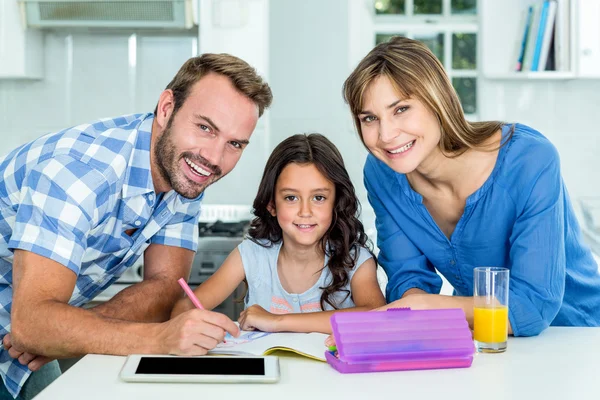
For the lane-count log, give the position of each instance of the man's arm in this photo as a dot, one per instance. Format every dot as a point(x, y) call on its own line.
point(43, 323)
point(153, 299)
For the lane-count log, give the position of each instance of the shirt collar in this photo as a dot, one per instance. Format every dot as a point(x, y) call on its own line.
point(138, 178)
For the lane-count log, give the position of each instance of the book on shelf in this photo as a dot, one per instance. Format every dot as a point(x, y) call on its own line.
point(539, 37)
point(547, 35)
point(527, 27)
point(545, 39)
point(530, 45)
point(562, 36)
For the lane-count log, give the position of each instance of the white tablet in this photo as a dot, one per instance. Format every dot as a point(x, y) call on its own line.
point(207, 369)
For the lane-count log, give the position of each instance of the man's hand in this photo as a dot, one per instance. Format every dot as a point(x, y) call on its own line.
point(32, 361)
point(195, 332)
point(256, 317)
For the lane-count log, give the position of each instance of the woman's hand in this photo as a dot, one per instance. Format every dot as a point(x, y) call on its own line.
point(257, 318)
point(413, 301)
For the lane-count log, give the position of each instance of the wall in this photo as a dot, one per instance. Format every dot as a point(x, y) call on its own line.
point(241, 28)
point(305, 49)
point(89, 76)
point(310, 59)
point(564, 111)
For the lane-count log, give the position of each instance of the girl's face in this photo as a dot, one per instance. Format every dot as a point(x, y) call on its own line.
point(304, 201)
point(402, 133)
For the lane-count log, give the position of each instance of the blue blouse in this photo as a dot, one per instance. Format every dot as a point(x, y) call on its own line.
point(521, 218)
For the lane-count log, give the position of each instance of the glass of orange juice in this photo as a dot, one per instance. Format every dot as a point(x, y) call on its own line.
point(490, 299)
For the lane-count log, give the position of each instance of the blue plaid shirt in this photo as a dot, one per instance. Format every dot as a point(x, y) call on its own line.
point(70, 196)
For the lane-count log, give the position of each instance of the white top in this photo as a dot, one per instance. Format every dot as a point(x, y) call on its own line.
point(265, 289)
point(561, 363)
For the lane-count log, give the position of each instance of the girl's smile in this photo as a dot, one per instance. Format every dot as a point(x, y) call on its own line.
point(304, 201)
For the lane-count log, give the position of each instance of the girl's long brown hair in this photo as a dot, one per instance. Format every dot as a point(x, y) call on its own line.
point(416, 72)
point(345, 236)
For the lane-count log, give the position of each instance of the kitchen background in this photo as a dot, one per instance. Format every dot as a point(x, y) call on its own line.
point(58, 76)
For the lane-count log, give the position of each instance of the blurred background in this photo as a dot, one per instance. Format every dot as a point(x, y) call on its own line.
point(65, 62)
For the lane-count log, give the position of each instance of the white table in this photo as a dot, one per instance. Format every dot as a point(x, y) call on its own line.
point(561, 363)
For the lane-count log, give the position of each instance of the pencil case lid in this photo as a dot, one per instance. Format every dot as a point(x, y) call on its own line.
point(402, 335)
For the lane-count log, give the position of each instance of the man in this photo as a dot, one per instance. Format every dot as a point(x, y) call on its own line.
point(80, 206)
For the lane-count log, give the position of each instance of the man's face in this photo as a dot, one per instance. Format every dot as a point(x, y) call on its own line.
point(204, 140)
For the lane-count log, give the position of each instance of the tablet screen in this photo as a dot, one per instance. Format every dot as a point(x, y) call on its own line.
point(201, 366)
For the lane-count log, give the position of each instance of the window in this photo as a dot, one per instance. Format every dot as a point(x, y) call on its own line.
point(448, 27)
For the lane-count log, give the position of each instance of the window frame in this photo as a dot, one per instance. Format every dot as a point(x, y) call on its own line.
point(411, 25)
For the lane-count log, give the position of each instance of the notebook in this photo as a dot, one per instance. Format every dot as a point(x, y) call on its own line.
point(311, 345)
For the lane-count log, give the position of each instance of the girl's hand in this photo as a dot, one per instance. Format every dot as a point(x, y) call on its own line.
point(257, 318)
point(330, 341)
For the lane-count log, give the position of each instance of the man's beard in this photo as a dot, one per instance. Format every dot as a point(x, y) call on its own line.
point(169, 167)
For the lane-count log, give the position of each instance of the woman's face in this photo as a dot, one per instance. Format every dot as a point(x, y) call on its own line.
point(402, 133)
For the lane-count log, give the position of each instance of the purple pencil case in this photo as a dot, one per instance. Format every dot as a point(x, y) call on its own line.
point(400, 339)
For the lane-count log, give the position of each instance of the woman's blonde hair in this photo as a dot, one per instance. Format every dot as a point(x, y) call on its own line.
point(416, 72)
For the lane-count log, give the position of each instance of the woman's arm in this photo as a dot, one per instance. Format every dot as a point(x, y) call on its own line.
point(416, 299)
point(405, 265)
point(537, 260)
point(366, 295)
point(218, 287)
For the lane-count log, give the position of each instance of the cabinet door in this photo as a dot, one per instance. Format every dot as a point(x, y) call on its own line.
point(589, 38)
point(21, 51)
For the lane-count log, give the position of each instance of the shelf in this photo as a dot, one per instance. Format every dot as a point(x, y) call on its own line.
point(502, 26)
point(544, 75)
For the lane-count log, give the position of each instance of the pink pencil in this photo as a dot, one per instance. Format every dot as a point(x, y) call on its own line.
point(190, 294)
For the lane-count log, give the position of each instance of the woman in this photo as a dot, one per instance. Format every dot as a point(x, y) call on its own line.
point(452, 195)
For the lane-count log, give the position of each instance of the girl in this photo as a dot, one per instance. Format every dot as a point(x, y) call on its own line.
point(452, 195)
point(306, 249)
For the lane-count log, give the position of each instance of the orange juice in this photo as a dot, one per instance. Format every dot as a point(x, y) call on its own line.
point(491, 324)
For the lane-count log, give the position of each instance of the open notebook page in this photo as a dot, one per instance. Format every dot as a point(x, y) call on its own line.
point(311, 345)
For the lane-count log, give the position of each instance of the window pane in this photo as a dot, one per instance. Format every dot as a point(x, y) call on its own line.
point(464, 6)
point(384, 37)
point(428, 6)
point(464, 51)
point(467, 92)
point(390, 7)
point(435, 42)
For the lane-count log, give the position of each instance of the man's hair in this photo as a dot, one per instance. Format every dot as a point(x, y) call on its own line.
point(243, 77)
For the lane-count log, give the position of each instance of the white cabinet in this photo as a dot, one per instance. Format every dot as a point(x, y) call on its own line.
point(501, 35)
point(588, 33)
point(21, 49)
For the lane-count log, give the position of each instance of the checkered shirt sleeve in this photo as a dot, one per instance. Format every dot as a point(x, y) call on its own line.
point(61, 200)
